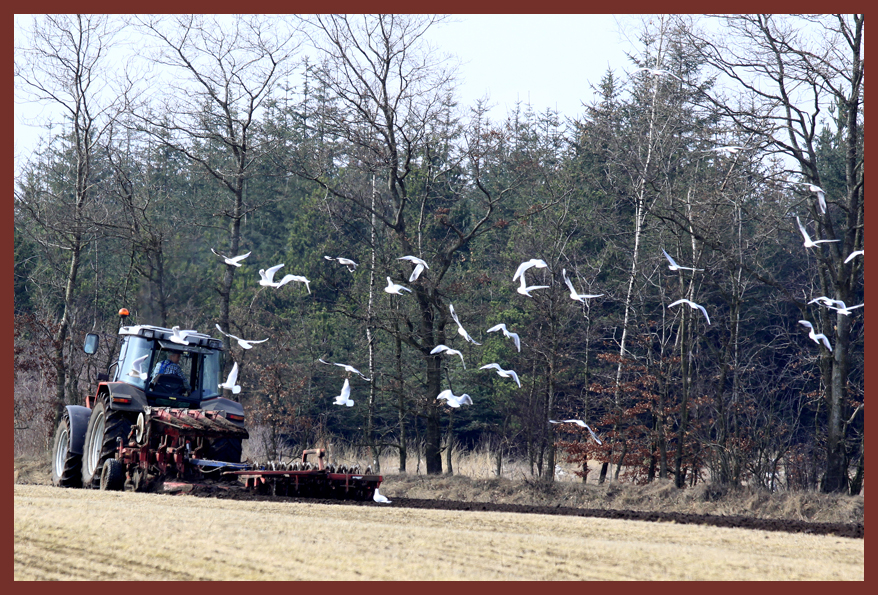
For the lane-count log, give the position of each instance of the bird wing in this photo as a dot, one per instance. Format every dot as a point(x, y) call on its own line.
point(822, 337)
point(233, 376)
point(241, 257)
point(218, 254)
point(439, 349)
point(678, 302)
point(416, 273)
point(454, 314)
point(821, 200)
point(802, 229)
point(346, 389)
point(465, 398)
point(256, 342)
point(515, 377)
point(522, 268)
point(445, 394)
point(671, 260)
point(806, 324)
point(497, 327)
point(486, 366)
point(570, 285)
point(415, 260)
point(516, 339)
point(269, 273)
point(703, 311)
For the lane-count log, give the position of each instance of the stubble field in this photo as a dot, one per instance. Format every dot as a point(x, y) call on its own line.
point(91, 535)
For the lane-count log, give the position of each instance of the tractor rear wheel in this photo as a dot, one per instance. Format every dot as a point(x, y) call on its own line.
point(104, 427)
point(227, 450)
point(66, 466)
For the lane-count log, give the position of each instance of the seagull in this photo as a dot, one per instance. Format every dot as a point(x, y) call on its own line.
point(267, 278)
point(524, 290)
point(345, 261)
point(231, 380)
point(345, 397)
point(453, 400)
point(853, 255)
point(816, 337)
point(503, 373)
point(846, 310)
point(513, 336)
point(534, 262)
point(460, 330)
point(657, 72)
point(136, 369)
point(674, 266)
point(378, 497)
point(577, 296)
point(179, 336)
point(235, 262)
point(694, 305)
point(826, 301)
point(420, 265)
point(578, 422)
point(448, 351)
point(347, 368)
point(821, 194)
point(244, 344)
point(809, 243)
point(394, 288)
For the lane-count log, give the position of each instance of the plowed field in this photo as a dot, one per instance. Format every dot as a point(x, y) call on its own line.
point(92, 535)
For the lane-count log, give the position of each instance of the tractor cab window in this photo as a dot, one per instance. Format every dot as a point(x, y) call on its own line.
point(211, 374)
point(170, 365)
point(134, 361)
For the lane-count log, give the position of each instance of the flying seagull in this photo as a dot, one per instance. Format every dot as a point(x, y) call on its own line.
point(347, 368)
point(826, 301)
point(581, 297)
point(809, 243)
point(534, 262)
point(846, 310)
point(694, 305)
point(460, 330)
point(657, 72)
point(420, 265)
point(674, 266)
point(578, 422)
point(503, 373)
point(853, 255)
point(137, 369)
point(821, 195)
point(231, 380)
point(513, 336)
point(395, 288)
point(816, 337)
point(345, 397)
point(345, 261)
point(525, 290)
point(179, 336)
point(453, 400)
point(379, 497)
point(243, 343)
point(235, 262)
point(267, 278)
point(448, 351)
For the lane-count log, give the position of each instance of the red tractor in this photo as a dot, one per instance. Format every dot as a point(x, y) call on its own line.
point(158, 417)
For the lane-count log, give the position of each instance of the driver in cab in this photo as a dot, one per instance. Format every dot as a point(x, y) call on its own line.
point(171, 365)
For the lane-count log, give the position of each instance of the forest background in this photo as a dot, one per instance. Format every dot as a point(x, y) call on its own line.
point(221, 134)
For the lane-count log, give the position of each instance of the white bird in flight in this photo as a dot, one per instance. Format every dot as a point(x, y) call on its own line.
point(503, 373)
point(460, 330)
point(345, 261)
point(231, 380)
point(235, 262)
point(693, 305)
point(267, 278)
point(137, 368)
point(821, 195)
point(243, 343)
point(816, 337)
point(578, 422)
point(853, 255)
point(347, 368)
point(826, 301)
point(453, 400)
point(846, 310)
point(420, 265)
point(395, 288)
point(674, 266)
point(581, 297)
point(448, 351)
point(180, 336)
point(379, 497)
point(525, 290)
point(809, 243)
point(657, 72)
point(513, 336)
point(534, 262)
point(345, 397)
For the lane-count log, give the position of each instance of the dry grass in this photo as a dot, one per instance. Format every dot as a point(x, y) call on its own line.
point(92, 535)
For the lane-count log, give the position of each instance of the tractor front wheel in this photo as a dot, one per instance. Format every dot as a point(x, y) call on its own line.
point(66, 466)
point(104, 427)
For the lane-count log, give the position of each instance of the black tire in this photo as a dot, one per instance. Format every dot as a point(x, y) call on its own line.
point(227, 450)
point(113, 475)
point(66, 466)
point(104, 427)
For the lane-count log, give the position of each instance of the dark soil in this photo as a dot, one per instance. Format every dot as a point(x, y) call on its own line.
point(853, 530)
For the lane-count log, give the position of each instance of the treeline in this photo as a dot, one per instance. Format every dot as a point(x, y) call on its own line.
point(221, 134)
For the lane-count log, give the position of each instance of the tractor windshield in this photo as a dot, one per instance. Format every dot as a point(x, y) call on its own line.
point(133, 366)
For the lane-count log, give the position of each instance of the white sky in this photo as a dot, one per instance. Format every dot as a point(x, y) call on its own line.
point(544, 60)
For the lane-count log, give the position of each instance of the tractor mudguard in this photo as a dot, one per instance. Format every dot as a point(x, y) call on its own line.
point(78, 425)
point(119, 391)
point(224, 404)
